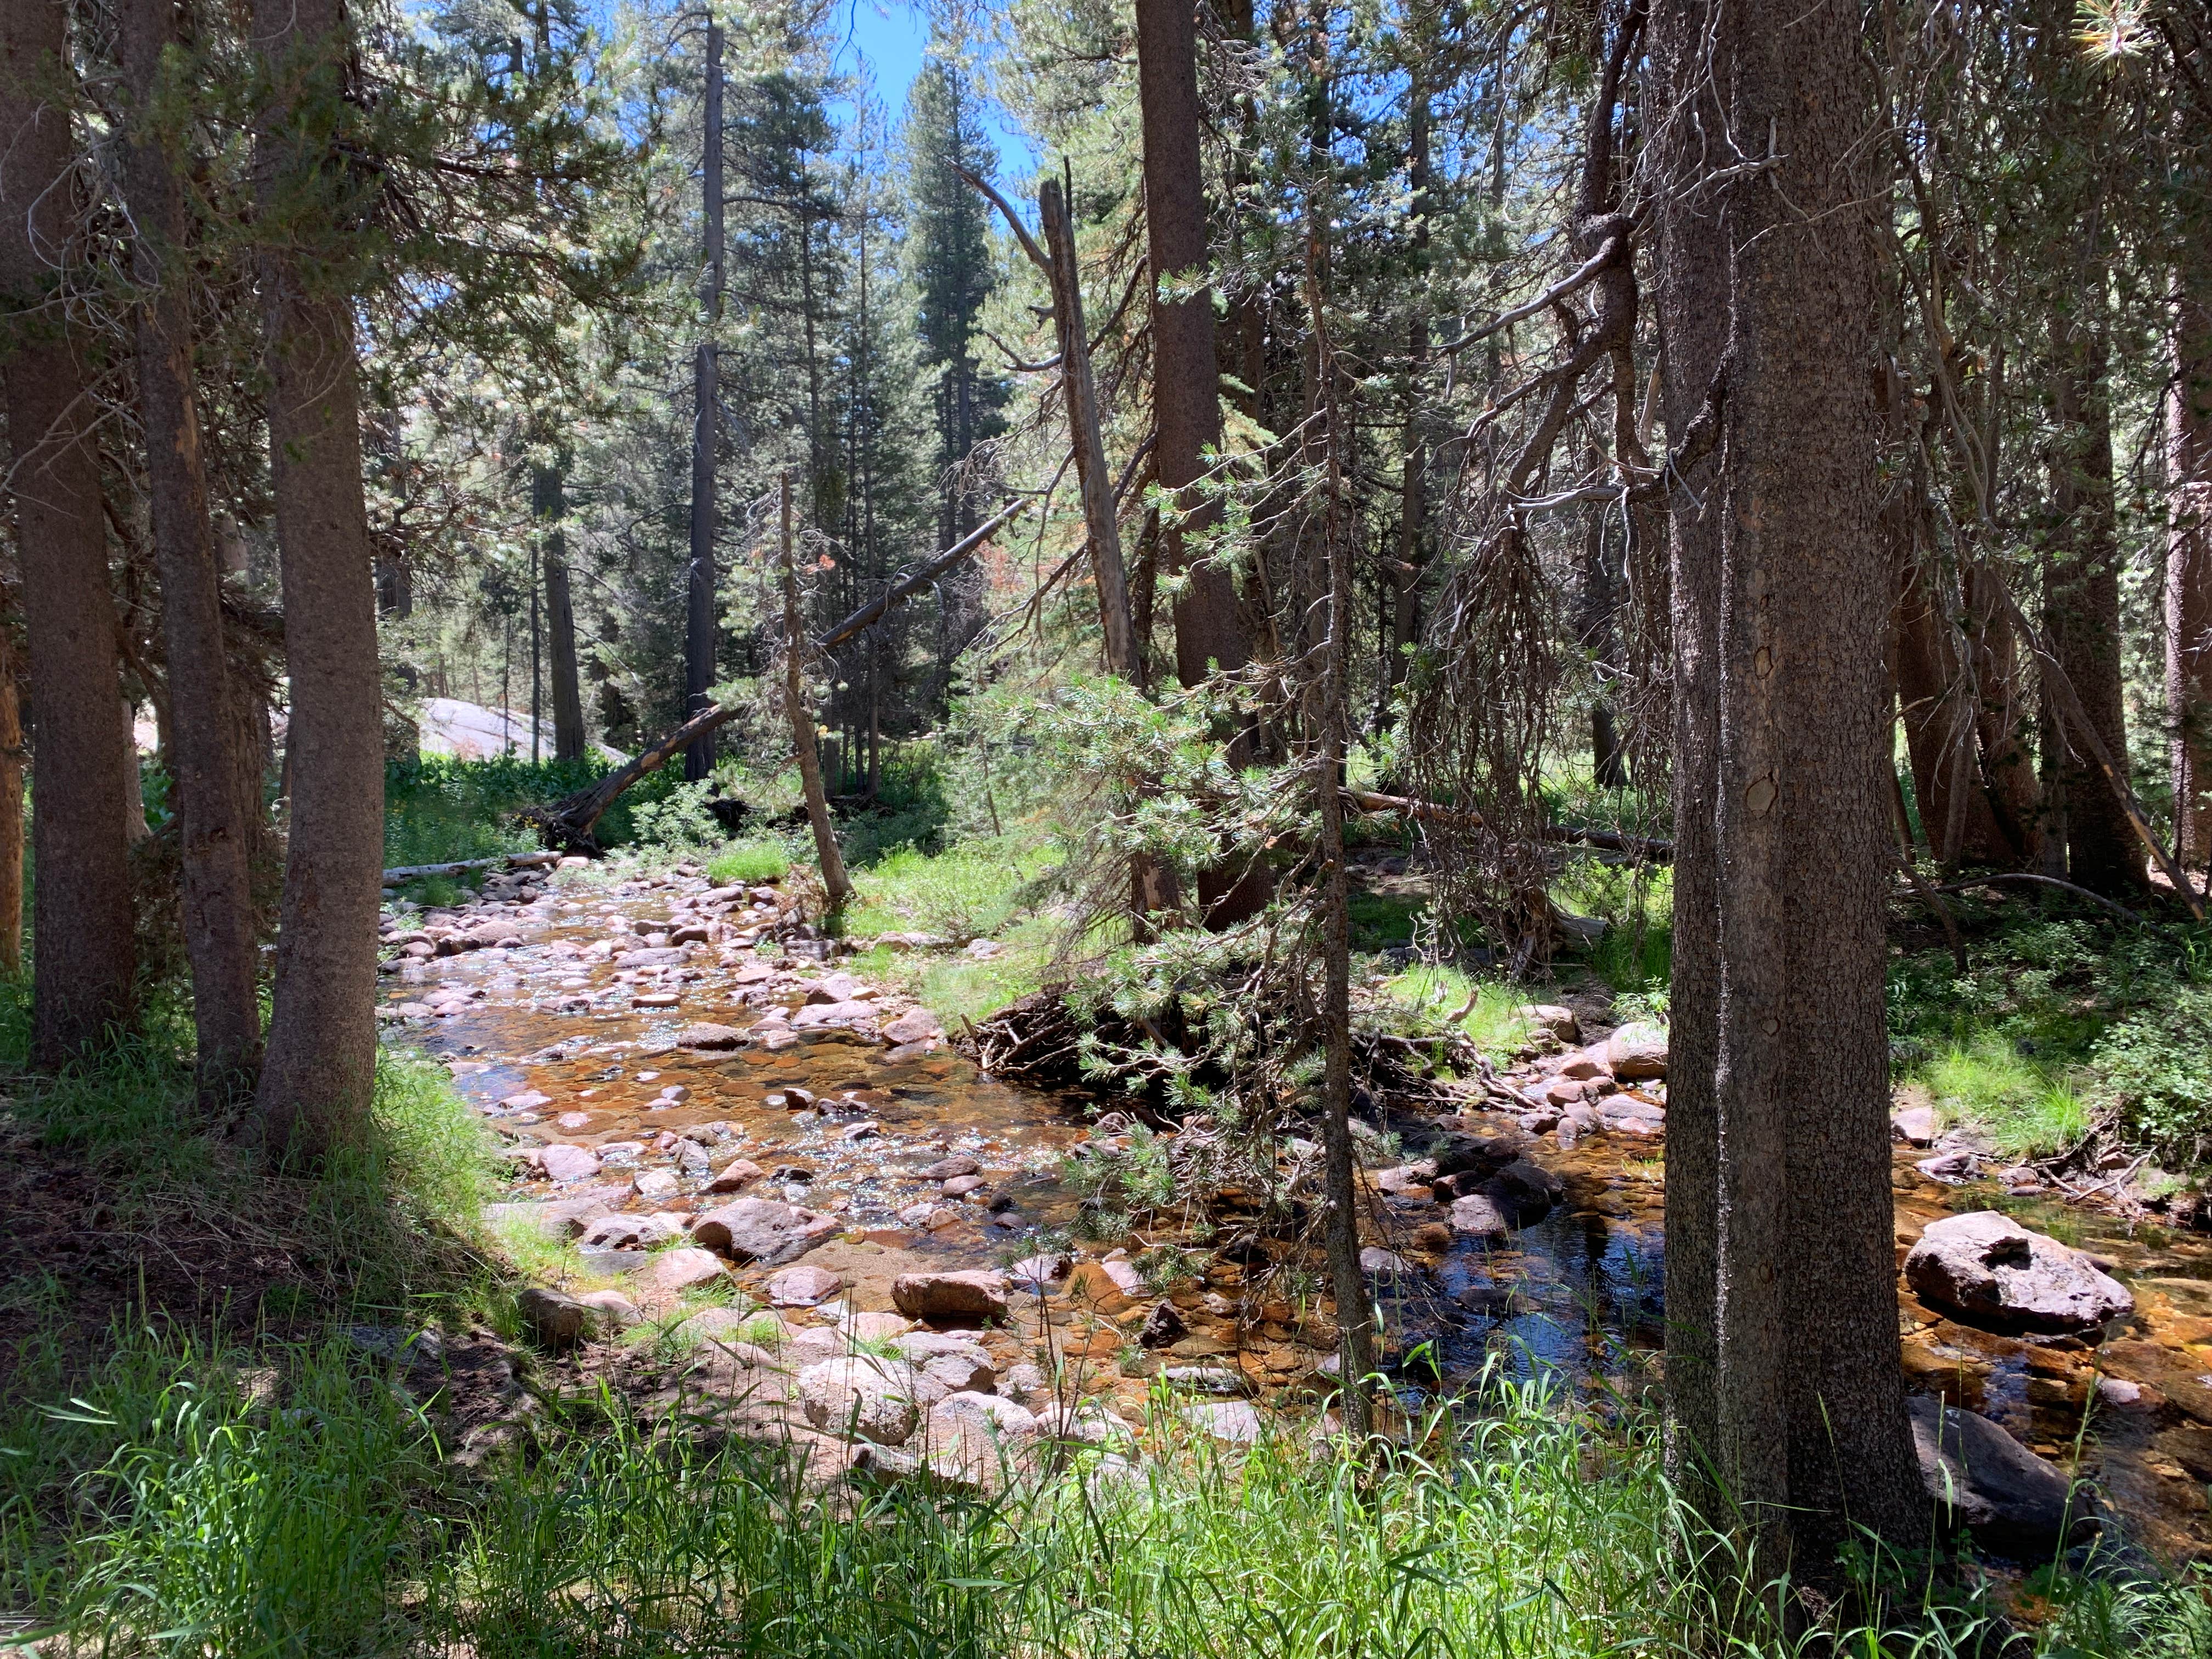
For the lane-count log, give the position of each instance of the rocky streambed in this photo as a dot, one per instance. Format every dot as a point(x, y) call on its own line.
point(700, 1106)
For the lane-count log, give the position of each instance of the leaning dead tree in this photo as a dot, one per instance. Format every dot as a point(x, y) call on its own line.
point(571, 821)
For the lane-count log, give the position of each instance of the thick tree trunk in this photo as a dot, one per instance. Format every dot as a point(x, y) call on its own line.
point(11, 807)
point(2082, 606)
point(1783, 1361)
point(82, 966)
point(2189, 570)
point(320, 1069)
point(1186, 408)
point(834, 881)
point(2002, 721)
point(1209, 625)
point(548, 491)
point(213, 836)
point(699, 629)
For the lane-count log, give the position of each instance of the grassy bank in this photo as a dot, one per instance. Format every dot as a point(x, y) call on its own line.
point(289, 1500)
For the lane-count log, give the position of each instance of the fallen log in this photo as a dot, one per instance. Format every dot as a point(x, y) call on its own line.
point(1428, 812)
point(568, 823)
point(462, 866)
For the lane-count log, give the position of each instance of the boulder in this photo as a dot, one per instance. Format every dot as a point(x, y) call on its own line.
point(736, 1176)
point(763, 1229)
point(1085, 1423)
point(1914, 1126)
point(961, 1186)
point(656, 1186)
point(947, 1168)
point(1233, 1420)
point(833, 1013)
point(803, 1287)
point(553, 1320)
point(1001, 1419)
point(566, 1163)
point(971, 1295)
point(1523, 1191)
point(683, 1269)
point(1550, 1018)
point(1458, 1153)
point(1983, 1479)
point(1989, 1270)
point(1476, 1217)
point(1162, 1327)
point(915, 1025)
point(611, 1310)
point(861, 1397)
point(1638, 1050)
point(963, 1366)
point(707, 1035)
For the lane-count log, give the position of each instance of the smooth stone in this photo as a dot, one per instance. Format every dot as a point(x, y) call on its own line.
point(803, 1287)
point(553, 1319)
point(862, 1397)
point(763, 1229)
point(1989, 1269)
point(1983, 1479)
point(976, 1294)
point(683, 1269)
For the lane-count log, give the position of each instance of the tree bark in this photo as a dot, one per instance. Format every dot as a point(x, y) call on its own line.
point(548, 490)
point(1783, 1361)
point(213, 835)
point(838, 885)
point(2189, 565)
point(2082, 604)
point(320, 1072)
point(1209, 625)
point(83, 977)
point(1093, 482)
point(699, 628)
point(2002, 719)
point(1936, 705)
point(11, 805)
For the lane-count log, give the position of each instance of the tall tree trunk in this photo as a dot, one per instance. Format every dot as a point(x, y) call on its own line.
point(549, 500)
point(213, 836)
point(699, 630)
point(1597, 627)
point(1935, 704)
point(834, 881)
point(1093, 483)
point(1405, 617)
point(2082, 604)
point(1783, 1362)
point(2189, 564)
point(11, 805)
point(320, 1070)
point(2003, 720)
point(1209, 626)
point(83, 966)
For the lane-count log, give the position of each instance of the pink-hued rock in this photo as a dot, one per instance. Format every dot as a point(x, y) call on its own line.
point(915, 1025)
point(682, 1269)
point(763, 1229)
point(562, 1161)
point(804, 1286)
point(1989, 1269)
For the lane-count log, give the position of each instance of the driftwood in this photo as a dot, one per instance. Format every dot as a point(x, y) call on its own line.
point(569, 822)
point(1367, 801)
point(504, 861)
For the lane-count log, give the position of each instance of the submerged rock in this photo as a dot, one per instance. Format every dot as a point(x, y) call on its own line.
point(1989, 1270)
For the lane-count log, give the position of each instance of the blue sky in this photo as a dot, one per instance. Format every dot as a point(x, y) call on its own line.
point(890, 37)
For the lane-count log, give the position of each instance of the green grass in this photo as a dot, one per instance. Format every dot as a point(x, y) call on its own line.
point(956, 986)
point(2025, 1110)
point(280, 1503)
point(969, 891)
point(755, 860)
point(1493, 1025)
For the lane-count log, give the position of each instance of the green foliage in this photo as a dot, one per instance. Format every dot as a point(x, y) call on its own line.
point(970, 891)
point(2025, 1111)
point(439, 809)
point(1434, 993)
point(2156, 1065)
point(678, 822)
point(754, 861)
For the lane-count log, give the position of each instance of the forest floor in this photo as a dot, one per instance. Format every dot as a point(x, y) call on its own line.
point(222, 1419)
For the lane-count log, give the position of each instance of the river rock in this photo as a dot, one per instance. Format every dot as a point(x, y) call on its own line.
point(657, 1185)
point(946, 1169)
point(562, 1161)
point(915, 1025)
point(803, 1287)
point(1983, 1479)
point(707, 1035)
point(1476, 1217)
point(611, 1310)
point(1638, 1050)
point(1991, 1270)
point(1914, 1126)
point(973, 1295)
point(819, 1014)
point(1523, 1191)
point(961, 1186)
point(553, 1319)
point(1002, 1419)
point(1162, 1327)
point(1233, 1420)
point(1124, 1275)
point(683, 1269)
point(1550, 1018)
point(1038, 1273)
point(1377, 1263)
point(963, 1366)
point(736, 1176)
point(861, 1397)
point(763, 1229)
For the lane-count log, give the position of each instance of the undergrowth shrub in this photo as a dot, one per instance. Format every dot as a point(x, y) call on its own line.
point(2157, 1068)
